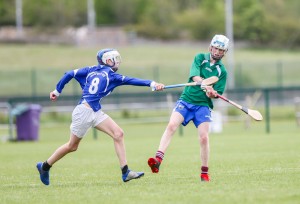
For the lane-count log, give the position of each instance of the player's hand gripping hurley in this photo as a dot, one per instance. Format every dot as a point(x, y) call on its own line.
point(203, 83)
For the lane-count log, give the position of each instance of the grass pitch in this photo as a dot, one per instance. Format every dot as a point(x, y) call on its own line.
point(246, 166)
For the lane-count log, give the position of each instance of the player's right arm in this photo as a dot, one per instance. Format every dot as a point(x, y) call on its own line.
point(126, 80)
point(79, 74)
point(195, 69)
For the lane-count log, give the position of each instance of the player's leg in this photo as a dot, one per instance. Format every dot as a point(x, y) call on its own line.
point(175, 120)
point(203, 132)
point(78, 129)
point(110, 127)
point(44, 167)
point(70, 146)
point(202, 119)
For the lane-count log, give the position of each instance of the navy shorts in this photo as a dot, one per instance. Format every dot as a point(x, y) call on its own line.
point(198, 114)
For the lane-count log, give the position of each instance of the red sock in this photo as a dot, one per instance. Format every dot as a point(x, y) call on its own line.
point(204, 170)
point(159, 156)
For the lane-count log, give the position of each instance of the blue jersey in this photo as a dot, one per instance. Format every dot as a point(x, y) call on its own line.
point(97, 82)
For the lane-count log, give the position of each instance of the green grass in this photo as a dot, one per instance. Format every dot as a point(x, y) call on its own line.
point(246, 166)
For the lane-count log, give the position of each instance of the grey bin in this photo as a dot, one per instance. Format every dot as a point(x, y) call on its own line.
point(27, 122)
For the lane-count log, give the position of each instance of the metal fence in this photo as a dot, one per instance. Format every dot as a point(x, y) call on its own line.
point(260, 84)
point(262, 99)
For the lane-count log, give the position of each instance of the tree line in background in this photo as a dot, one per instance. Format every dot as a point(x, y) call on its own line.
point(261, 22)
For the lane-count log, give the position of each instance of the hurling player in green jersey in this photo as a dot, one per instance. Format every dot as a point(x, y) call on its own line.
point(195, 104)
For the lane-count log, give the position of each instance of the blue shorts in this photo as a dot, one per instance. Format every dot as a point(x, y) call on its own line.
point(198, 114)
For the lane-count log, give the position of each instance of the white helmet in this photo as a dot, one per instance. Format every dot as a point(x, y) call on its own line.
point(109, 54)
point(220, 41)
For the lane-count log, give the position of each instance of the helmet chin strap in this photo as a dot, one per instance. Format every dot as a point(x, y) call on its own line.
point(113, 66)
point(212, 56)
point(216, 58)
point(115, 69)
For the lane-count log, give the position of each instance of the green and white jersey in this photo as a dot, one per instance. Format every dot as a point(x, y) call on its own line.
point(203, 68)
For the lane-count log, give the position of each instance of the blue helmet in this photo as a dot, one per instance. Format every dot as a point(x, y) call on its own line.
point(101, 53)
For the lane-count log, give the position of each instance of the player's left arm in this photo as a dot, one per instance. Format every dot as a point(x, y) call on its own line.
point(221, 84)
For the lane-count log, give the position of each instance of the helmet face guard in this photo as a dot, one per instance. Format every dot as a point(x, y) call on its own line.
point(216, 53)
point(219, 42)
point(109, 54)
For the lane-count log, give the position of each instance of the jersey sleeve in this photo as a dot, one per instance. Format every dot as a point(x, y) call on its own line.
point(221, 84)
point(195, 68)
point(126, 80)
point(78, 74)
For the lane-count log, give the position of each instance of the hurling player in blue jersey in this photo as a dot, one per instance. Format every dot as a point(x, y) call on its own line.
point(97, 82)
